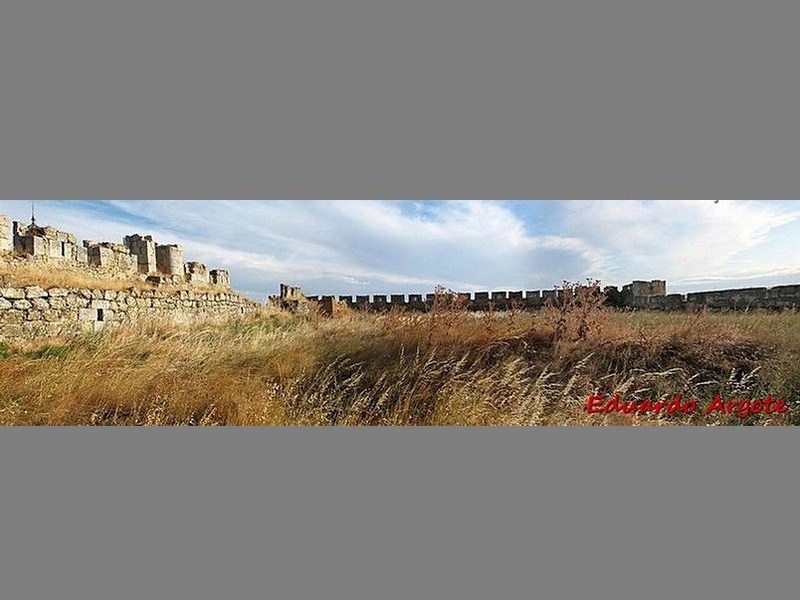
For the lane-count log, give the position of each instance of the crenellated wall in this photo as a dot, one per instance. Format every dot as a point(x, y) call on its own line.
point(138, 256)
point(38, 312)
point(478, 301)
point(196, 272)
point(776, 298)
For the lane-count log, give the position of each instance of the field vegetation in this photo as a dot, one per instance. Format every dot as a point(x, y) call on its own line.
point(444, 367)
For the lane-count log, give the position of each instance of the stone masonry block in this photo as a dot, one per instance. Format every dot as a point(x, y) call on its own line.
point(13, 317)
point(87, 314)
point(12, 293)
point(40, 304)
point(104, 304)
point(52, 316)
point(74, 301)
point(58, 302)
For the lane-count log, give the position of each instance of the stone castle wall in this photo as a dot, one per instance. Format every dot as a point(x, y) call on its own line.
point(137, 255)
point(34, 311)
point(37, 312)
point(651, 296)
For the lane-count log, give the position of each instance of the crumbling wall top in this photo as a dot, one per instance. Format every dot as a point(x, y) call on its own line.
point(138, 254)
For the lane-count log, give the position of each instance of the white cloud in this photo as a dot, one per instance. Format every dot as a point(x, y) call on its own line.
point(691, 240)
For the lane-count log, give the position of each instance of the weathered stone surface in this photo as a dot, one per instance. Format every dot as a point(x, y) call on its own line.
point(40, 304)
point(87, 314)
point(169, 259)
point(12, 293)
point(13, 317)
point(74, 301)
point(22, 304)
point(196, 273)
point(6, 238)
point(220, 277)
point(52, 316)
point(58, 302)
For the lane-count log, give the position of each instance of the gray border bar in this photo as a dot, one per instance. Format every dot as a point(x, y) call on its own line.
point(346, 99)
point(398, 513)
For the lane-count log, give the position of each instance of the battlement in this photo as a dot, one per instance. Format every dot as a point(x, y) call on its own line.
point(47, 242)
point(28, 310)
point(137, 256)
point(636, 295)
point(144, 249)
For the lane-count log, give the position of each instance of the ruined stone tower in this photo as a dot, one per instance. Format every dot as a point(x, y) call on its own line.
point(196, 272)
point(137, 257)
point(220, 277)
point(169, 259)
point(144, 248)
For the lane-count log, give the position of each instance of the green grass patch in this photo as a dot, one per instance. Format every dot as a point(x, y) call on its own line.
point(49, 352)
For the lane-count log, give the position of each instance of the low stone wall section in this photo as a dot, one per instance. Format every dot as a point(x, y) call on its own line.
point(34, 311)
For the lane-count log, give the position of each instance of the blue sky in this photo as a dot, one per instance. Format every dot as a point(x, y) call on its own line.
point(392, 246)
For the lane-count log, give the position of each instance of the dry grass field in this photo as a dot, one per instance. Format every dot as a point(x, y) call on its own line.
point(444, 367)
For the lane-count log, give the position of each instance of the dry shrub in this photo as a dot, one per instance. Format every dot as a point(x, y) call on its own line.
point(578, 311)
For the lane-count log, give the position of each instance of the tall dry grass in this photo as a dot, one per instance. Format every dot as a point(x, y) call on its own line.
point(444, 367)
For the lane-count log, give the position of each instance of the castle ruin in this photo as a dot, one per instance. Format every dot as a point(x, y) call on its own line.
point(137, 255)
point(191, 291)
